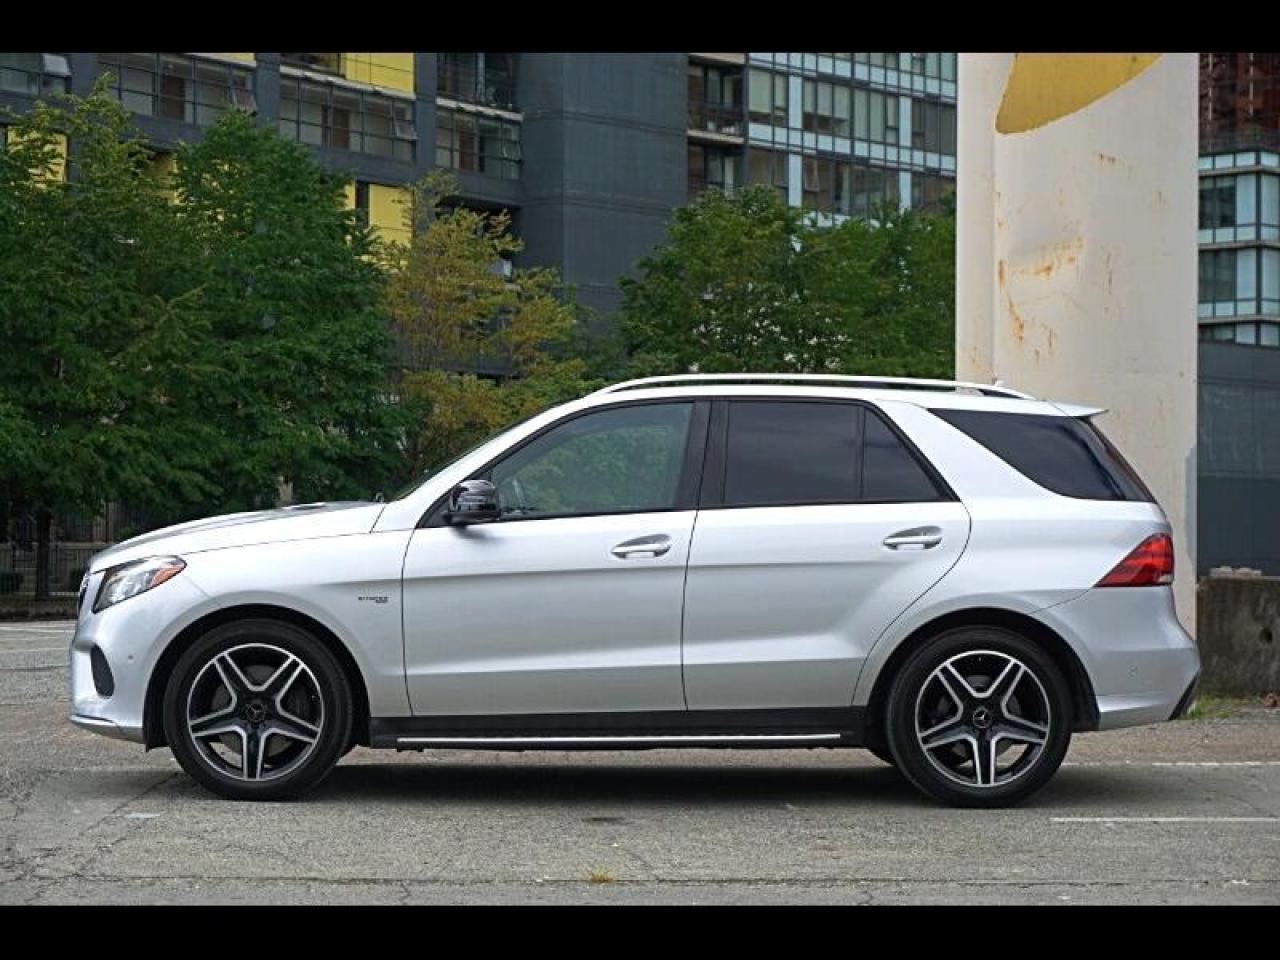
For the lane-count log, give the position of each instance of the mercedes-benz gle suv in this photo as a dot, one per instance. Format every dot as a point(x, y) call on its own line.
point(955, 576)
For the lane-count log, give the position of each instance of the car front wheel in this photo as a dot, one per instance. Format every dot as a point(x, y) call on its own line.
point(257, 710)
point(979, 717)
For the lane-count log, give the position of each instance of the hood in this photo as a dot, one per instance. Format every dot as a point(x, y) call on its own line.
point(301, 522)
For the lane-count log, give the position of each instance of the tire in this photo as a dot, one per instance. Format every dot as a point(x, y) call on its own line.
point(1013, 710)
point(262, 688)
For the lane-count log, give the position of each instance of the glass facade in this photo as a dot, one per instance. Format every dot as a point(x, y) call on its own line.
point(330, 115)
point(841, 134)
point(1239, 236)
point(175, 86)
point(478, 143)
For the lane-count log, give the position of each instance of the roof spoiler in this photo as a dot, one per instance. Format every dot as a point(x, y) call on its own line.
point(1079, 411)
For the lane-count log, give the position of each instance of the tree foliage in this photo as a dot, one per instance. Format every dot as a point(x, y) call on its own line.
point(485, 346)
point(184, 356)
point(745, 282)
point(298, 356)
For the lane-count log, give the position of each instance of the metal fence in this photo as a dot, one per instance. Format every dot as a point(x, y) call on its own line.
point(67, 563)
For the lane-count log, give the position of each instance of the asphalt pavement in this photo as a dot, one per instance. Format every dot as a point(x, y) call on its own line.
point(1187, 812)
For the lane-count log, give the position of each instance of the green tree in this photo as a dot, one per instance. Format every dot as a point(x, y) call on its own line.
point(98, 318)
point(295, 367)
point(744, 282)
point(484, 346)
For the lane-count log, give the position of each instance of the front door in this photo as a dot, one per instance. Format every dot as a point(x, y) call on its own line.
point(571, 602)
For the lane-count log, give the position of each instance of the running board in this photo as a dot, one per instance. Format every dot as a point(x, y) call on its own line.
point(617, 742)
point(803, 727)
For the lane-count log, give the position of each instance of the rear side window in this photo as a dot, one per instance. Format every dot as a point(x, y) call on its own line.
point(889, 470)
point(1067, 455)
point(799, 452)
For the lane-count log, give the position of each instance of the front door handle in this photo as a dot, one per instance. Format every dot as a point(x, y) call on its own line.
point(642, 548)
point(917, 538)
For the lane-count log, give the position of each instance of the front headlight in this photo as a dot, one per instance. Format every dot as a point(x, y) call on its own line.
point(130, 579)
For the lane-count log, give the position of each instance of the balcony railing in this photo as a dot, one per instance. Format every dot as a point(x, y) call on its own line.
point(491, 88)
point(715, 117)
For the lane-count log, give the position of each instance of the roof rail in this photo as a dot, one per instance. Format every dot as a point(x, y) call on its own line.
point(892, 383)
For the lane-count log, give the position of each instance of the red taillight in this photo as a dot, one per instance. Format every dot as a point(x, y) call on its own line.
point(1149, 564)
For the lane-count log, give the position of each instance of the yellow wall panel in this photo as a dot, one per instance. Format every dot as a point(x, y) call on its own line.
point(349, 195)
point(242, 57)
point(391, 70)
point(59, 164)
point(163, 167)
point(387, 209)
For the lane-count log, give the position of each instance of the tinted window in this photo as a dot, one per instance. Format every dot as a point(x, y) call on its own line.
point(791, 453)
point(889, 470)
point(623, 460)
point(1064, 454)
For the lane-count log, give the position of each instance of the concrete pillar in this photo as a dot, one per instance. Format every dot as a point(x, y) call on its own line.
point(1076, 251)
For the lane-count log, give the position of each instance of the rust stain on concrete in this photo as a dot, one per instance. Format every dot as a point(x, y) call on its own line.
point(1055, 258)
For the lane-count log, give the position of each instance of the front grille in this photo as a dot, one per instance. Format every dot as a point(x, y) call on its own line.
point(103, 681)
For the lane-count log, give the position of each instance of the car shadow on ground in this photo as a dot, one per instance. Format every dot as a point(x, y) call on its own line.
point(592, 784)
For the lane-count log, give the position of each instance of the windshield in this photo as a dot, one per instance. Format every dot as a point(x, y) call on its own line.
point(434, 471)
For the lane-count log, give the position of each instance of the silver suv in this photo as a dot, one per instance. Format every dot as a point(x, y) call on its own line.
point(954, 576)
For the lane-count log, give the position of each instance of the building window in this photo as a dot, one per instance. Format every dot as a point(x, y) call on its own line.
point(827, 108)
point(887, 60)
point(1240, 282)
point(478, 143)
point(325, 114)
point(35, 74)
point(177, 87)
point(769, 168)
point(709, 167)
point(1217, 202)
point(1239, 207)
point(484, 78)
point(767, 98)
point(933, 126)
point(928, 190)
point(323, 62)
point(715, 99)
point(1264, 334)
point(875, 116)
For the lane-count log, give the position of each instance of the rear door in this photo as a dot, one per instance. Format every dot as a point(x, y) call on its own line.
point(819, 525)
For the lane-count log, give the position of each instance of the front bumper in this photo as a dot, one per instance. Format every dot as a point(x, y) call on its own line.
point(130, 636)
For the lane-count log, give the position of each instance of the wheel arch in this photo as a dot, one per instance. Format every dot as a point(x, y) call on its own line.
point(1083, 701)
point(153, 704)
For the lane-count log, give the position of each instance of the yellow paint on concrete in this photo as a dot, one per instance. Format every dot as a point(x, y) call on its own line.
point(387, 209)
point(391, 70)
point(1043, 87)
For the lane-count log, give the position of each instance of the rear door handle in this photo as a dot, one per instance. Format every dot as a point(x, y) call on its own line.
point(643, 547)
point(917, 538)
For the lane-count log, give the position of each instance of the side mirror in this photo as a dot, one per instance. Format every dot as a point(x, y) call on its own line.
point(472, 501)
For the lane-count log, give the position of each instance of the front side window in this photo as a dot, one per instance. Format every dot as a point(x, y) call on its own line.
point(623, 460)
point(808, 452)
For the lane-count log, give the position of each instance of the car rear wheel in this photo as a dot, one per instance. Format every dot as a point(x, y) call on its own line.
point(257, 710)
point(979, 717)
